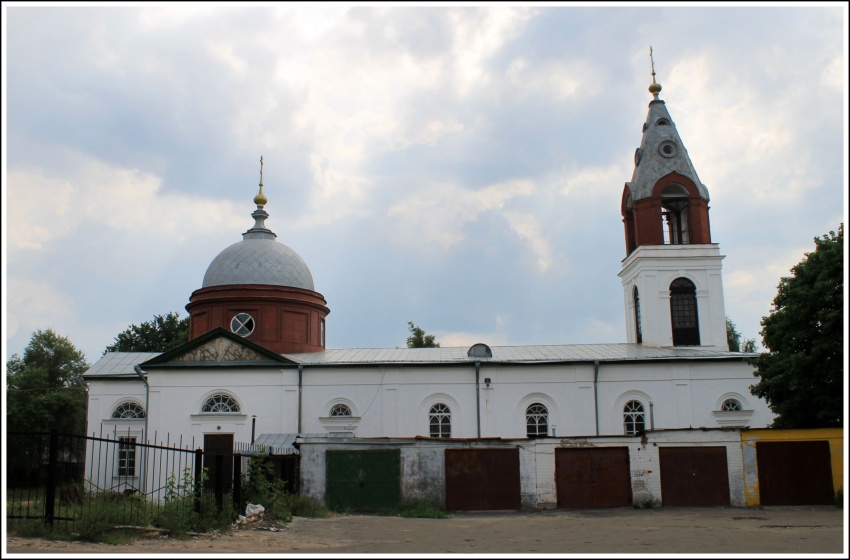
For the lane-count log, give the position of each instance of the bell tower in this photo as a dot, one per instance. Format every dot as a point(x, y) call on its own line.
point(671, 275)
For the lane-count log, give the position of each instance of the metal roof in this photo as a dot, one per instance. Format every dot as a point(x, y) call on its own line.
point(510, 354)
point(279, 444)
point(114, 364)
point(259, 261)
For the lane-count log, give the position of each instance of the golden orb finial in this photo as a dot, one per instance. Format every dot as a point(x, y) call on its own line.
point(654, 87)
point(260, 200)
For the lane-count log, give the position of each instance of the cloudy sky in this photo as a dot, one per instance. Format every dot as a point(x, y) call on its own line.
point(458, 167)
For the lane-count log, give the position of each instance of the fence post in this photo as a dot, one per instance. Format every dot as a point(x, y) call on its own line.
point(219, 480)
point(237, 481)
point(50, 486)
point(199, 470)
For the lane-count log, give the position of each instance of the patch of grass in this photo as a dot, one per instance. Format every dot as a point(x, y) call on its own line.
point(31, 529)
point(421, 509)
point(305, 506)
point(96, 516)
point(839, 499)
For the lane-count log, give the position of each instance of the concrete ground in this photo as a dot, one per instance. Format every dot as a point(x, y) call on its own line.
point(771, 530)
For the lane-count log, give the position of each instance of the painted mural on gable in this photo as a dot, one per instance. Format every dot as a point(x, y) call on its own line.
point(219, 350)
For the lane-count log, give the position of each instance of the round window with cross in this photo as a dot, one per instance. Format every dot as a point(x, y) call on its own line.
point(242, 324)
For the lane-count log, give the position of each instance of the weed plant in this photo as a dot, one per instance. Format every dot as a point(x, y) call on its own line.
point(305, 506)
point(96, 516)
point(421, 508)
point(261, 486)
point(188, 508)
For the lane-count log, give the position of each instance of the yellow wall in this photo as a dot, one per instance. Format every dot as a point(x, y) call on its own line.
point(835, 437)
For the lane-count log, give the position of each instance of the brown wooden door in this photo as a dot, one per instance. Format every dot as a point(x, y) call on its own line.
point(694, 476)
point(794, 472)
point(214, 445)
point(480, 479)
point(592, 477)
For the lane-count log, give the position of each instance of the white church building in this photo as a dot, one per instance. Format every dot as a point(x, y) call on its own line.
point(256, 368)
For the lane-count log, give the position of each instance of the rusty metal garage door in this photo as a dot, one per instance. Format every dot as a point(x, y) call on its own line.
point(694, 476)
point(794, 472)
point(363, 480)
point(479, 479)
point(591, 477)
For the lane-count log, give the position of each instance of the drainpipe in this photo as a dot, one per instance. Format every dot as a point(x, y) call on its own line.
point(651, 417)
point(478, 396)
point(300, 377)
point(596, 394)
point(142, 375)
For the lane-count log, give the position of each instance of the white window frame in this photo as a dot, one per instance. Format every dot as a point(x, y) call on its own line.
point(441, 419)
point(127, 448)
point(630, 417)
point(537, 424)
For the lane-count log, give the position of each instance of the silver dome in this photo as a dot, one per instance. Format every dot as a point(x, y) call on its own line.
point(259, 261)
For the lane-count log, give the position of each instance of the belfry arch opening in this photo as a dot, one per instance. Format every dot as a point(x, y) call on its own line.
point(638, 328)
point(683, 313)
point(674, 214)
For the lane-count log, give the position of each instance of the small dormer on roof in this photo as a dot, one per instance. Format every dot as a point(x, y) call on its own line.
point(665, 202)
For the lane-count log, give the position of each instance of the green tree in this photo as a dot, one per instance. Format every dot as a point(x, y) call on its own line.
point(162, 333)
point(44, 388)
point(802, 371)
point(733, 337)
point(418, 338)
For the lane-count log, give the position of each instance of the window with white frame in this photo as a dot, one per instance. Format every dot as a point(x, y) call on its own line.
point(536, 421)
point(634, 419)
point(220, 403)
point(127, 456)
point(242, 324)
point(340, 410)
point(731, 405)
point(128, 410)
point(440, 421)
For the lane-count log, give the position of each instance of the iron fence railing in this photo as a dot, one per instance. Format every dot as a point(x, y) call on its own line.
point(58, 477)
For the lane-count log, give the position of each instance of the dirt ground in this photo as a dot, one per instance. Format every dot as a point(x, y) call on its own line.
point(791, 530)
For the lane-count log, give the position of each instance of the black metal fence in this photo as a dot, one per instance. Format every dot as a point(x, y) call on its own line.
point(58, 477)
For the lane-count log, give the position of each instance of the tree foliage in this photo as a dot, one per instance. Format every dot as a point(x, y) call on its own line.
point(733, 337)
point(802, 372)
point(162, 333)
point(44, 389)
point(418, 338)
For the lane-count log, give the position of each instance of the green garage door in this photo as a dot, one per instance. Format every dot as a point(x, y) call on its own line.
point(363, 480)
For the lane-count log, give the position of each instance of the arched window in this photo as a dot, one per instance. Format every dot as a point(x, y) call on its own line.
point(128, 410)
point(674, 210)
point(683, 312)
point(633, 418)
point(440, 421)
point(220, 403)
point(536, 421)
point(638, 332)
point(731, 405)
point(340, 410)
